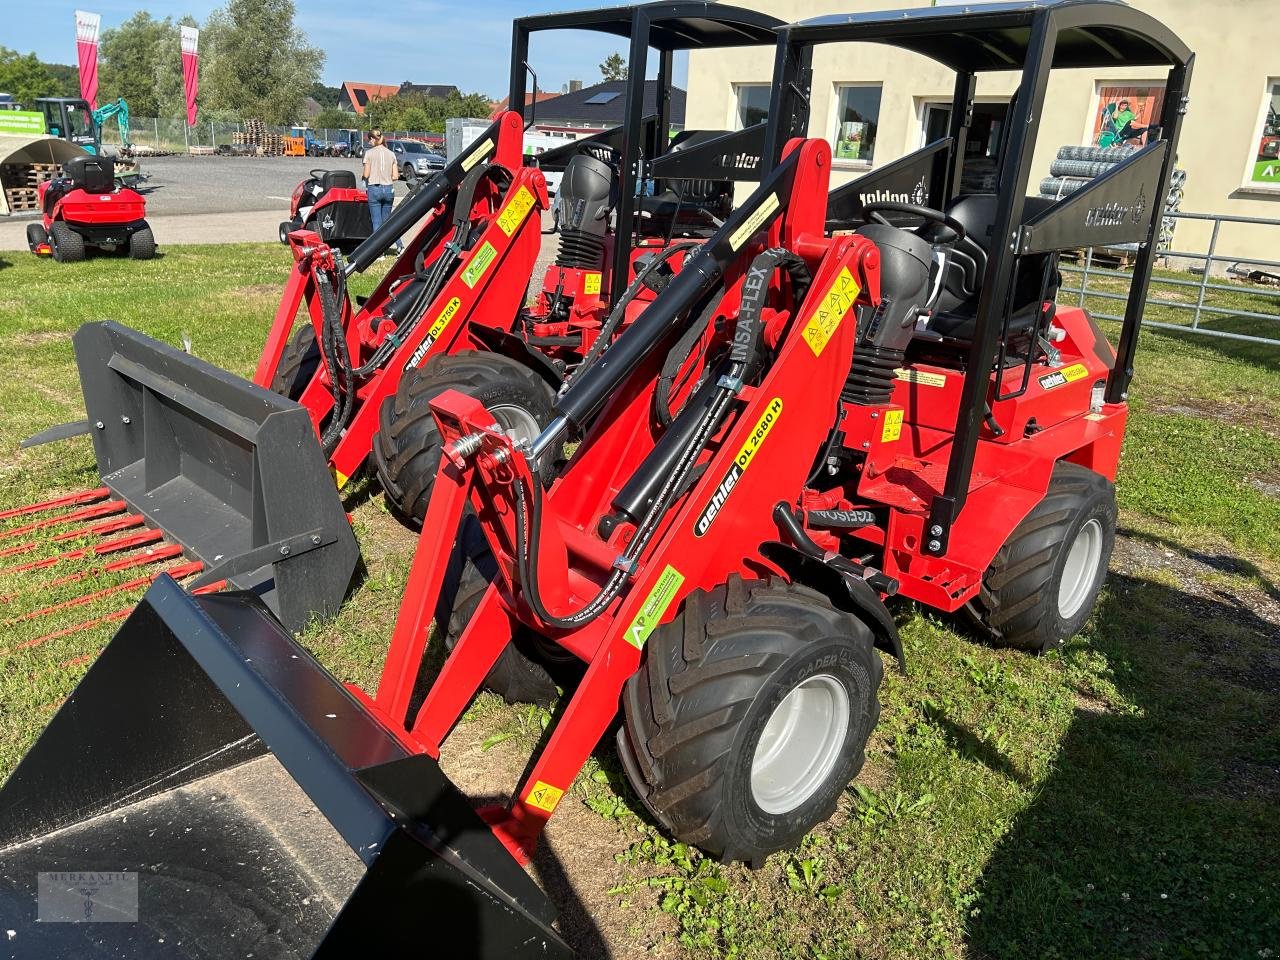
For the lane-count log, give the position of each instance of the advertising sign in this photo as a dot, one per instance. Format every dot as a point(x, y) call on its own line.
point(26, 123)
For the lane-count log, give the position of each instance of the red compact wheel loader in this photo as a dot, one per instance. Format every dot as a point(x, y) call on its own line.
point(86, 208)
point(452, 313)
point(839, 397)
point(449, 314)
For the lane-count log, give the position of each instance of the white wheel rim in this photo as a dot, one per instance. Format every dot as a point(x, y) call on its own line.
point(1080, 571)
point(800, 745)
point(517, 421)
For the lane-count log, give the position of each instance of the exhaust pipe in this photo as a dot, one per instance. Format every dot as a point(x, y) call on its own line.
point(257, 806)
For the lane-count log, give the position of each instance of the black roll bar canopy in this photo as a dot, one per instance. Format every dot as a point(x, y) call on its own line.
point(667, 28)
point(1032, 38)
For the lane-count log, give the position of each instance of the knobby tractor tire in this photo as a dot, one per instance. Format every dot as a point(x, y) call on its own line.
point(518, 676)
point(407, 447)
point(298, 363)
point(68, 246)
point(700, 709)
point(36, 235)
point(1043, 584)
point(142, 245)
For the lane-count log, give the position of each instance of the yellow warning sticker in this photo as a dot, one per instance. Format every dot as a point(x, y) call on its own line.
point(479, 264)
point(544, 796)
point(591, 283)
point(479, 153)
point(1095, 417)
point(516, 211)
point(654, 607)
point(1077, 371)
point(751, 226)
point(925, 378)
point(835, 304)
point(892, 426)
point(340, 478)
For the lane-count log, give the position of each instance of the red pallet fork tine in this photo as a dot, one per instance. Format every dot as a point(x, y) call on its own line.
point(167, 552)
point(92, 530)
point(84, 513)
point(70, 500)
point(120, 614)
point(127, 542)
point(179, 572)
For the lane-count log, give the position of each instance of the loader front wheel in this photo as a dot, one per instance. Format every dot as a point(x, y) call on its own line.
point(298, 363)
point(1043, 584)
point(68, 246)
point(518, 676)
point(407, 447)
point(749, 716)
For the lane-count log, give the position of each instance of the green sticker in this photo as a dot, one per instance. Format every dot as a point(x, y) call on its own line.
point(654, 607)
point(479, 264)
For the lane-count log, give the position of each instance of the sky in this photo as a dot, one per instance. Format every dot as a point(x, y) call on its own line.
point(375, 41)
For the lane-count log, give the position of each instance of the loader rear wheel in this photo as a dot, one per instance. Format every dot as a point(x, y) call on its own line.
point(749, 716)
point(298, 363)
point(36, 235)
point(1043, 584)
point(68, 246)
point(407, 447)
point(142, 245)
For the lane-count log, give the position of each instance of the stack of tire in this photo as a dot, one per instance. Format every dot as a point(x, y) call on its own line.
point(1077, 166)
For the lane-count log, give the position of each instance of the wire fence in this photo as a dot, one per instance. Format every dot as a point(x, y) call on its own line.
point(1215, 295)
point(172, 135)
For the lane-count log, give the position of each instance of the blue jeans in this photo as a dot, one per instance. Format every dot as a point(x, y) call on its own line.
point(381, 197)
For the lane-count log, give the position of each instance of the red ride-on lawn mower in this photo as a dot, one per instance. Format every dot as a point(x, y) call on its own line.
point(819, 410)
point(329, 204)
point(84, 208)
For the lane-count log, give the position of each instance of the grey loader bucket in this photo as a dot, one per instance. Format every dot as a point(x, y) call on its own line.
point(231, 472)
point(257, 806)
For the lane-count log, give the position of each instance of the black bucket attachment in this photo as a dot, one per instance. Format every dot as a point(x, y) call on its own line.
point(231, 472)
point(264, 811)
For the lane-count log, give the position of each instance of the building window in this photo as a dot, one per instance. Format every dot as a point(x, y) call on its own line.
point(753, 103)
point(1127, 116)
point(1264, 165)
point(857, 115)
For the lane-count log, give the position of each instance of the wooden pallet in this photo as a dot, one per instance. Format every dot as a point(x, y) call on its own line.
point(27, 174)
point(21, 199)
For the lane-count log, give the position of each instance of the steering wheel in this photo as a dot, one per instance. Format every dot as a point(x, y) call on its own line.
point(955, 232)
point(317, 173)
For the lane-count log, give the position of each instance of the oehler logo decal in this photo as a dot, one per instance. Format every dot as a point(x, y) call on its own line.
point(739, 466)
point(448, 313)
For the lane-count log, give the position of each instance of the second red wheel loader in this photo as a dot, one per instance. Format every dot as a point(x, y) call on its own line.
point(451, 312)
point(802, 423)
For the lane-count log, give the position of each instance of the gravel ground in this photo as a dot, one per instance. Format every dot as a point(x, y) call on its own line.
point(182, 184)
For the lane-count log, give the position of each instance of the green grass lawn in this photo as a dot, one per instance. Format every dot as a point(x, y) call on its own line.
point(1117, 799)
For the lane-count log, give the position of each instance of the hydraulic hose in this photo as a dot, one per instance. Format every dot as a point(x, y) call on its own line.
point(337, 361)
point(619, 311)
point(747, 335)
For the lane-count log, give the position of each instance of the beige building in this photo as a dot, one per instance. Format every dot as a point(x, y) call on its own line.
point(875, 103)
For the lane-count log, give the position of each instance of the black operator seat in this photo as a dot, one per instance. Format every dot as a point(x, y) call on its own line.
point(956, 313)
point(337, 180)
point(92, 174)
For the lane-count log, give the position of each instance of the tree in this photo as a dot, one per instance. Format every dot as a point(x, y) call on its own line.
point(132, 59)
point(256, 63)
point(422, 114)
point(25, 77)
point(614, 67)
point(324, 94)
point(331, 118)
